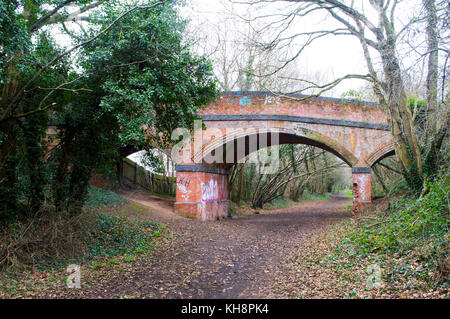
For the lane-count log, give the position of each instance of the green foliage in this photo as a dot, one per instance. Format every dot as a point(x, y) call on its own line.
point(144, 69)
point(352, 95)
point(348, 193)
point(420, 107)
point(280, 202)
point(298, 168)
point(23, 170)
point(413, 178)
point(140, 72)
point(376, 191)
point(413, 227)
point(54, 240)
point(98, 197)
point(13, 34)
point(129, 259)
point(154, 161)
point(307, 195)
point(114, 235)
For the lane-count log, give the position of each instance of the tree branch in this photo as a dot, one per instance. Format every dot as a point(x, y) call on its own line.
point(40, 22)
point(38, 73)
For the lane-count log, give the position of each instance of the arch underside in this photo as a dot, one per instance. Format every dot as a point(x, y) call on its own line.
point(218, 147)
point(380, 154)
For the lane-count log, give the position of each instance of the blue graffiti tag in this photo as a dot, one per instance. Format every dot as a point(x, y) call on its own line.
point(245, 101)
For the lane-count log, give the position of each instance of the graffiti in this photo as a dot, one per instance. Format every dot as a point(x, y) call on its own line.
point(362, 183)
point(245, 101)
point(210, 191)
point(271, 100)
point(352, 141)
point(242, 101)
point(184, 181)
point(185, 192)
point(182, 185)
point(223, 189)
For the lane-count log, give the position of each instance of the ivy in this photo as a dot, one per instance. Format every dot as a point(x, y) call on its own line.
point(132, 84)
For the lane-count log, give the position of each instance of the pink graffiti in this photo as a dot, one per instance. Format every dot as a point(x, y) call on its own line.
point(210, 191)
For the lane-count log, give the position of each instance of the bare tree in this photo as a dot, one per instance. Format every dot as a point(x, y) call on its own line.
point(374, 25)
point(239, 60)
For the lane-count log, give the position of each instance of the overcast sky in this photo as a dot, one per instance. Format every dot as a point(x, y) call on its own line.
point(331, 56)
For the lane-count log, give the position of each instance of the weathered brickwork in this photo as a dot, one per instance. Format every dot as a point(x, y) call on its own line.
point(201, 195)
point(355, 132)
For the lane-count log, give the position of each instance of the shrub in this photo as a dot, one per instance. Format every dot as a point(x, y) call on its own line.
point(53, 240)
point(115, 235)
point(280, 202)
point(412, 229)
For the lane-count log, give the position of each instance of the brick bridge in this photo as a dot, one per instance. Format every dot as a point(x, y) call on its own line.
point(237, 124)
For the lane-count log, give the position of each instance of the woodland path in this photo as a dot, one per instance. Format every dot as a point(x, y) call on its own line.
point(232, 258)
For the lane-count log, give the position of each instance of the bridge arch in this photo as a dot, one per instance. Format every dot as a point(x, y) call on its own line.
point(356, 132)
point(380, 153)
point(286, 136)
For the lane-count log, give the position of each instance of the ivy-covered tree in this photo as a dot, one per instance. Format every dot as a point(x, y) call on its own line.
point(128, 77)
point(149, 79)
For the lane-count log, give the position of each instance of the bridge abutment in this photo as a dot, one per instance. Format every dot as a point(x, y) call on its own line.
point(201, 192)
point(361, 188)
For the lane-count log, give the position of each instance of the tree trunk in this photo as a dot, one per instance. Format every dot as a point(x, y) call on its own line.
point(8, 148)
point(400, 118)
point(432, 75)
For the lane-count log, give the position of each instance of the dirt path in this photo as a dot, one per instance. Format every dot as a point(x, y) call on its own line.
point(231, 258)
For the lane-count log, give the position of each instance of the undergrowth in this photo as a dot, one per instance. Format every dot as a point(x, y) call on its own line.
point(307, 195)
point(98, 197)
point(115, 234)
point(53, 239)
point(410, 240)
point(280, 202)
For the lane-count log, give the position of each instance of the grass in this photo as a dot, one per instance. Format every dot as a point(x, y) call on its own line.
point(312, 196)
point(403, 249)
point(410, 240)
point(375, 193)
point(280, 202)
point(120, 242)
point(131, 210)
point(283, 202)
point(116, 235)
point(348, 193)
point(129, 259)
